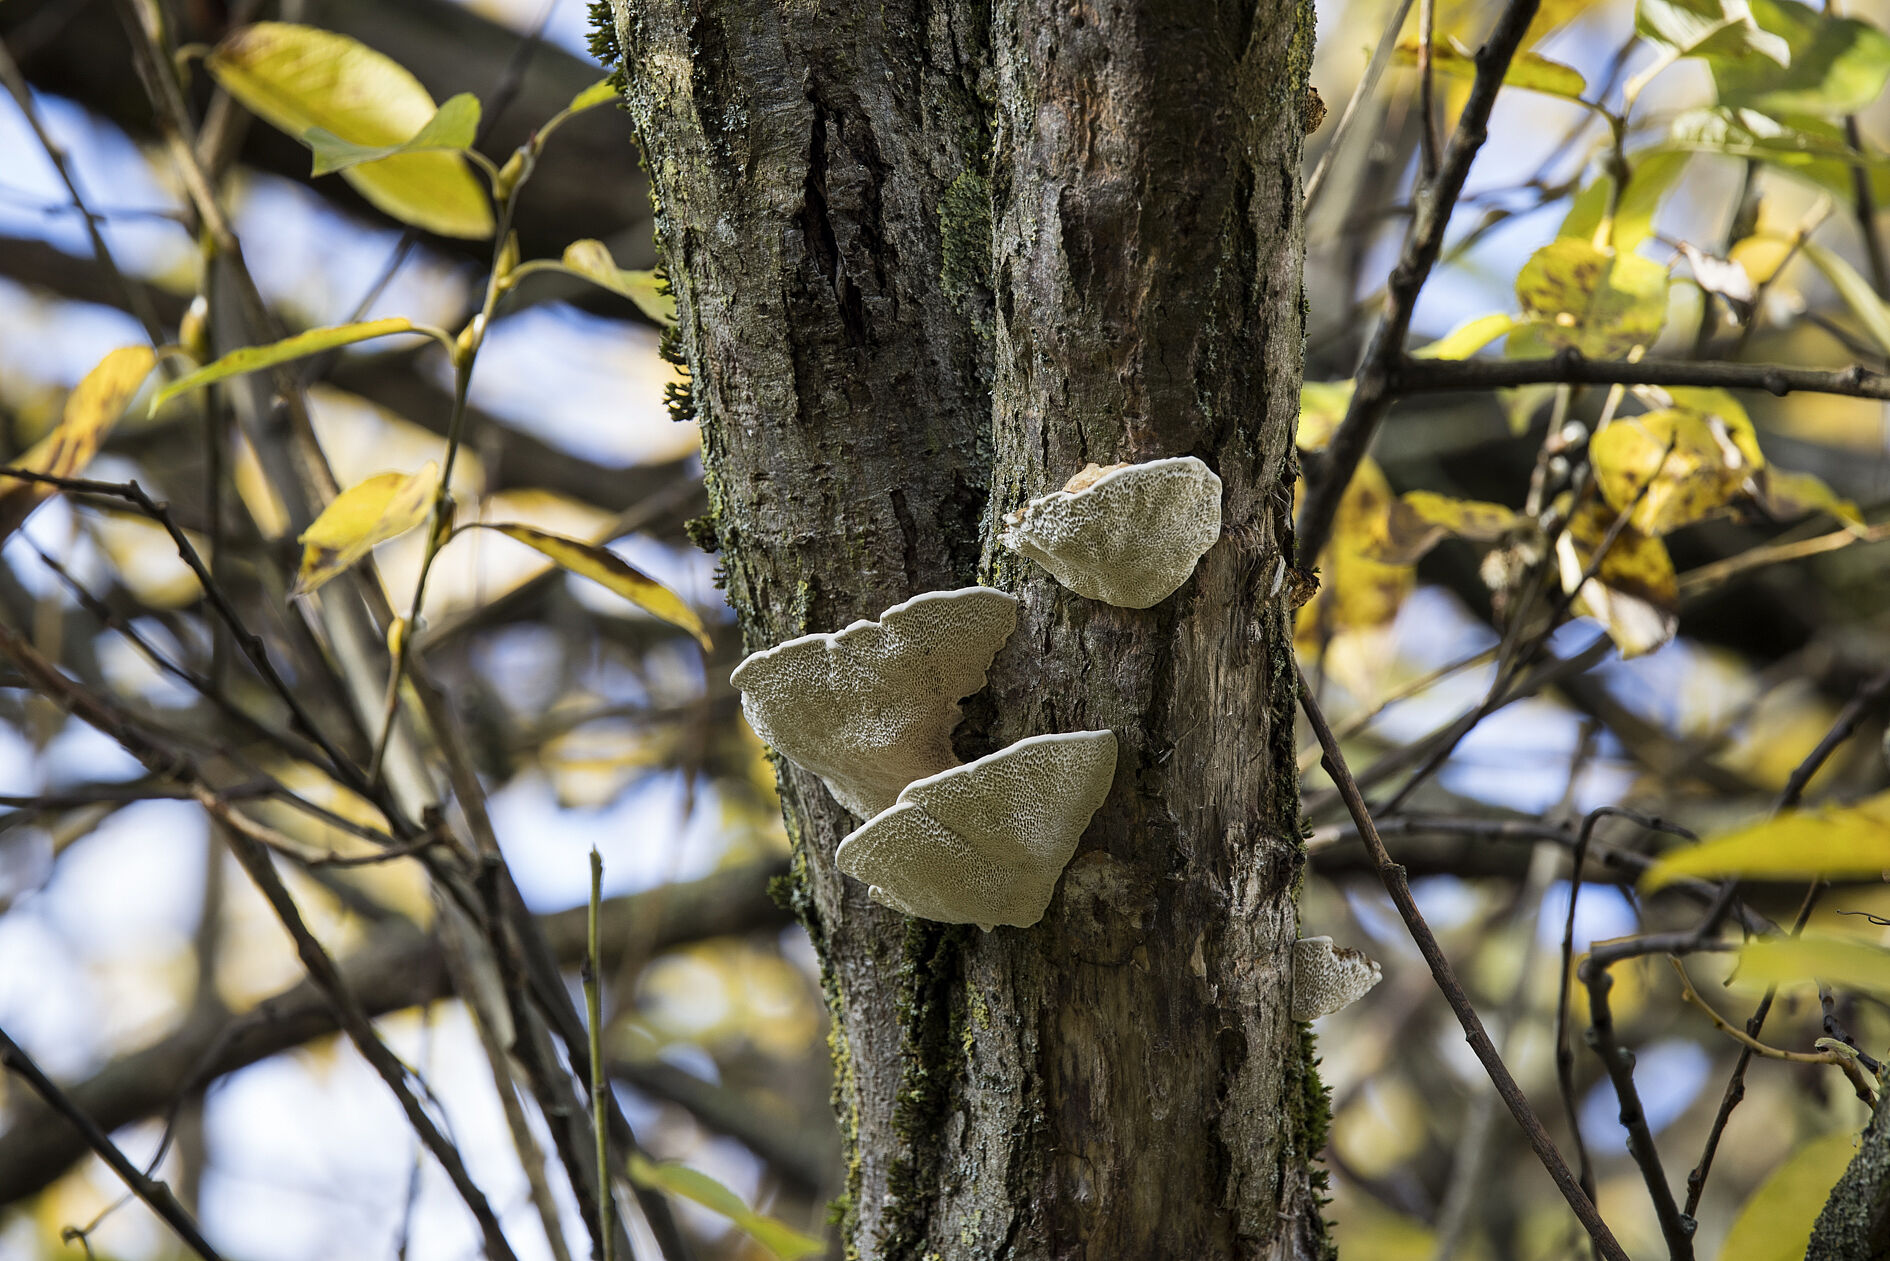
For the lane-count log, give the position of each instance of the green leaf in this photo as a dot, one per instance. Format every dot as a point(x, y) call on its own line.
point(296, 78)
point(382, 507)
point(1652, 176)
point(1856, 292)
point(777, 1237)
point(1466, 339)
point(1723, 30)
point(1809, 148)
point(601, 92)
point(452, 127)
point(1830, 842)
point(252, 358)
point(1776, 1221)
point(1838, 64)
point(603, 566)
point(91, 410)
point(1530, 71)
point(1842, 961)
point(592, 261)
point(1602, 302)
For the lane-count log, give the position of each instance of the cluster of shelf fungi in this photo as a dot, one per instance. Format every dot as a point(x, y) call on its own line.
point(870, 710)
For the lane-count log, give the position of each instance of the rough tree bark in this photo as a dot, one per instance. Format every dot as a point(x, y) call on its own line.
point(933, 256)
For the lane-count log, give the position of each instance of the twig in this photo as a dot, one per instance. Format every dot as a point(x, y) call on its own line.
point(1372, 398)
point(1869, 695)
point(1735, 1092)
point(1367, 84)
point(1399, 890)
point(155, 1194)
point(1849, 1064)
point(594, 1009)
point(1675, 1227)
point(1570, 367)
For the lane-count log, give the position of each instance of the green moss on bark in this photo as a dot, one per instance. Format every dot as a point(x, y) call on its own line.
point(932, 1014)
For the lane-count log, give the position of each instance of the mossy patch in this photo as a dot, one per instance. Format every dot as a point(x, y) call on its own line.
point(931, 1007)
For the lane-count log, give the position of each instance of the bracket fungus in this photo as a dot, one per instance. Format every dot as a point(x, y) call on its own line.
point(984, 843)
point(1128, 535)
point(1327, 977)
point(871, 708)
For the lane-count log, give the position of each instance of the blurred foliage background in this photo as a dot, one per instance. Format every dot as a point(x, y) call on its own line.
point(139, 966)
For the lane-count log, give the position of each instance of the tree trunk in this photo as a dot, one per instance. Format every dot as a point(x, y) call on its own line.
point(932, 257)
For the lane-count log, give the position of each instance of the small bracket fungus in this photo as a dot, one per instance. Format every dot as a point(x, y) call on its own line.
point(1327, 977)
point(1128, 535)
point(871, 708)
point(985, 842)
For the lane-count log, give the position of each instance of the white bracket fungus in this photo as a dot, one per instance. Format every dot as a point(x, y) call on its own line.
point(871, 708)
point(1128, 535)
point(985, 842)
point(1327, 977)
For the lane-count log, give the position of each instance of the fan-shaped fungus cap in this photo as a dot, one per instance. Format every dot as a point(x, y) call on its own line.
point(1127, 535)
point(871, 708)
point(985, 842)
point(1327, 977)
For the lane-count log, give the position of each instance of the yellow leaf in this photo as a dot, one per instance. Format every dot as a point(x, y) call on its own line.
point(91, 410)
point(1527, 70)
point(592, 261)
point(1839, 961)
point(1322, 406)
point(1467, 338)
point(1601, 302)
point(1633, 593)
point(297, 78)
point(252, 358)
point(1670, 465)
point(597, 94)
point(777, 1237)
point(1788, 495)
point(1420, 518)
point(1775, 1223)
point(1826, 841)
point(1357, 590)
point(1762, 255)
point(1720, 405)
point(452, 128)
point(603, 566)
point(367, 513)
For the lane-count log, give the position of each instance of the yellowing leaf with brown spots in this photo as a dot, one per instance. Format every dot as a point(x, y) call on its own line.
point(1357, 591)
point(1788, 495)
point(592, 261)
point(1420, 518)
point(91, 410)
point(1598, 301)
point(1633, 592)
point(1831, 842)
point(603, 566)
point(1672, 466)
point(1718, 404)
point(370, 512)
